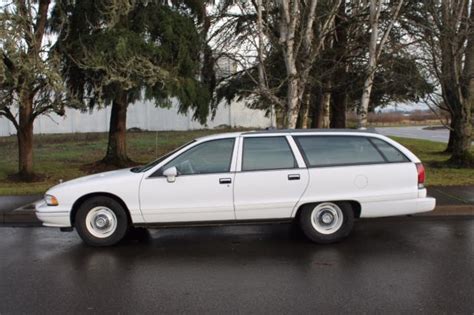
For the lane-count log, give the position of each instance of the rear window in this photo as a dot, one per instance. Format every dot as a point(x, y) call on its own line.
point(338, 150)
point(393, 155)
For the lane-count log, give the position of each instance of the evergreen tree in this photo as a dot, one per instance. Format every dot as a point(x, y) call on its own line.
point(116, 52)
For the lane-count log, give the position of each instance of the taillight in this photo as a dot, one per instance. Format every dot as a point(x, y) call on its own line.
point(421, 175)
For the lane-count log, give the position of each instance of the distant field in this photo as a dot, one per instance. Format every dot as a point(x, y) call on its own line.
point(398, 119)
point(65, 156)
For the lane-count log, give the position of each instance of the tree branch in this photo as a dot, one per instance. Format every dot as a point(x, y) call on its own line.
point(5, 111)
point(389, 28)
point(40, 24)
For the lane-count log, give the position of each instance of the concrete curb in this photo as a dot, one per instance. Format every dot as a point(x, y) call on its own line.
point(451, 210)
point(20, 217)
point(24, 215)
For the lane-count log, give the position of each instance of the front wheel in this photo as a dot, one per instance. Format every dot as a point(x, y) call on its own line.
point(101, 221)
point(327, 222)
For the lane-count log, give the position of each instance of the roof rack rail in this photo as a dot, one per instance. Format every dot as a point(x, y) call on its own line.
point(321, 130)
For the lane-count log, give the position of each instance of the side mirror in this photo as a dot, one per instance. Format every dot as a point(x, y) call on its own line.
point(171, 174)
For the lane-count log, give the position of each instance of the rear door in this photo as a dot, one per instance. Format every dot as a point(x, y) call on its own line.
point(270, 179)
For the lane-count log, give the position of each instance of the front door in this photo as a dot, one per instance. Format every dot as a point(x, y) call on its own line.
point(202, 191)
point(270, 182)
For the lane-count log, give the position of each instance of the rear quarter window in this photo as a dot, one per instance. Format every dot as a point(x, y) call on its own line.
point(391, 154)
point(338, 150)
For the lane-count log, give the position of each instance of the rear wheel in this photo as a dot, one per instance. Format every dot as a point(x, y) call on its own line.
point(101, 221)
point(327, 222)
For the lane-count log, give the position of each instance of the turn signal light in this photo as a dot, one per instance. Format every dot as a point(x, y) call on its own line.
point(51, 200)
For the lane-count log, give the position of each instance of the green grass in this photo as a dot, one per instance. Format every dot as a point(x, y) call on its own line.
point(431, 154)
point(64, 156)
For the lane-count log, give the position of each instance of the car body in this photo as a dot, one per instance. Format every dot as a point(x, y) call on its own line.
point(250, 176)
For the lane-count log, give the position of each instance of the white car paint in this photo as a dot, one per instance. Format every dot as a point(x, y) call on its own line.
point(268, 193)
point(381, 189)
point(121, 183)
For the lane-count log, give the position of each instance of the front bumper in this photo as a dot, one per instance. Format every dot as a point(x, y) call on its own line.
point(53, 216)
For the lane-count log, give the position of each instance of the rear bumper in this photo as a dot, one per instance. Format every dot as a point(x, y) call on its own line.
point(397, 207)
point(53, 216)
point(426, 204)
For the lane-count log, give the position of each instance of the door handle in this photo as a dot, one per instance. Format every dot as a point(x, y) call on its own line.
point(294, 177)
point(225, 180)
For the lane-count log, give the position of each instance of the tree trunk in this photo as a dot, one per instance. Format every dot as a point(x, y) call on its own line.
point(461, 145)
point(340, 80)
point(299, 121)
point(461, 111)
point(449, 147)
point(374, 54)
point(117, 146)
point(369, 81)
point(364, 104)
point(461, 128)
point(305, 118)
point(338, 109)
point(326, 105)
point(304, 113)
point(317, 117)
point(25, 139)
point(292, 103)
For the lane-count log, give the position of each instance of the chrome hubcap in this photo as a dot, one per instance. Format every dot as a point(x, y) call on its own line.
point(327, 218)
point(101, 222)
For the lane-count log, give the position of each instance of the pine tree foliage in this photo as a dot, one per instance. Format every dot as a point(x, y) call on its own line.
point(147, 48)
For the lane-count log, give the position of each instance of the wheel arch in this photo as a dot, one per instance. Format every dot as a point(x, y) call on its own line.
point(355, 205)
point(82, 199)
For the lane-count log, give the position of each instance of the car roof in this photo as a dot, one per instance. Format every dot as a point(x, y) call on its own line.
point(361, 132)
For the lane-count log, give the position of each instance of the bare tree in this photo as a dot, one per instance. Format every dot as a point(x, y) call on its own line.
point(375, 49)
point(300, 55)
point(295, 28)
point(30, 79)
point(446, 33)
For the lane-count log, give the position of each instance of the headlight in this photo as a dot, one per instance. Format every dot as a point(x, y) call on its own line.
point(51, 200)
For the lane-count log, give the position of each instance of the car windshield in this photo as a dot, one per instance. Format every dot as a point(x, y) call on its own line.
point(144, 168)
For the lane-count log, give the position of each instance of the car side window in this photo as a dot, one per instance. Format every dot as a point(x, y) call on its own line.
point(392, 154)
point(267, 153)
point(338, 150)
point(213, 156)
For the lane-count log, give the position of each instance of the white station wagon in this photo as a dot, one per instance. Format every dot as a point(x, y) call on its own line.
point(321, 179)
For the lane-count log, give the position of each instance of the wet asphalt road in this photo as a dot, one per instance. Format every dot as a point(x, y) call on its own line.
point(392, 265)
point(416, 132)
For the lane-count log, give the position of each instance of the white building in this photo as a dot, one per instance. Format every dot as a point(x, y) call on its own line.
point(146, 116)
point(143, 115)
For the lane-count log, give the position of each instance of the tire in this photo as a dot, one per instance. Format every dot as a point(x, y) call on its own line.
point(312, 221)
point(101, 221)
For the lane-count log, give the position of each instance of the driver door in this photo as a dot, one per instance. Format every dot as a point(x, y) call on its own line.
point(202, 191)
